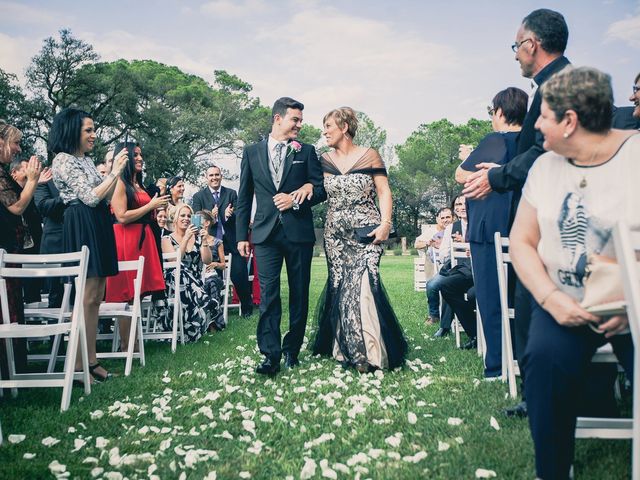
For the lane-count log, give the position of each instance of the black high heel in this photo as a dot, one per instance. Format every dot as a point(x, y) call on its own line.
point(97, 376)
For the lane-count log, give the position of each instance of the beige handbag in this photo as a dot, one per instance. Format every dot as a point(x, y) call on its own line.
point(603, 282)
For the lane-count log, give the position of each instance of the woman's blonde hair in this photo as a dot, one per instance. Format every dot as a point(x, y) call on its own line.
point(342, 116)
point(8, 134)
point(175, 213)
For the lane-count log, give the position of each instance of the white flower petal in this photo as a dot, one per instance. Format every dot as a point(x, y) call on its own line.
point(56, 467)
point(49, 441)
point(482, 473)
point(412, 418)
point(443, 446)
point(494, 424)
point(454, 421)
point(29, 456)
point(16, 438)
point(308, 469)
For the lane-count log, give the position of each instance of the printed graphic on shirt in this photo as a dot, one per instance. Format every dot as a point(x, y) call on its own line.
point(580, 235)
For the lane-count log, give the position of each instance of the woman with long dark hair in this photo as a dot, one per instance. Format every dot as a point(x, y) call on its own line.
point(134, 210)
point(87, 220)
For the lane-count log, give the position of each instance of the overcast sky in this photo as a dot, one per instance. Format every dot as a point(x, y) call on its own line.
point(402, 62)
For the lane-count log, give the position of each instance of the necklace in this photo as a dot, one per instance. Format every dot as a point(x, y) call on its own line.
point(583, 182)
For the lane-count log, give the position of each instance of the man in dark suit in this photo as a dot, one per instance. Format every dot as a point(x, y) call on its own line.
point(51, 207)
point(221, 202)
point(539, 47)
point(286, 178)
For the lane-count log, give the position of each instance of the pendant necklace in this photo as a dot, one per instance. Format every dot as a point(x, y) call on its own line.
point(583, 182)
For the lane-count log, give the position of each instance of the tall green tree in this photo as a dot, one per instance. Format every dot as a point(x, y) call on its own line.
point(426, 170)
point(52, 78)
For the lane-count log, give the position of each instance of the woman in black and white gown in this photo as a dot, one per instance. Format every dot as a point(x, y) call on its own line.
point(356, 324)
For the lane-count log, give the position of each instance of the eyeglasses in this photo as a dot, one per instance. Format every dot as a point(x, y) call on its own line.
point(516, 46)
point(491, 110)
point(635, 89)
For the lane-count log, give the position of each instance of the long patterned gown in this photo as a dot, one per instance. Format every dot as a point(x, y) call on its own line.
point(356, 324)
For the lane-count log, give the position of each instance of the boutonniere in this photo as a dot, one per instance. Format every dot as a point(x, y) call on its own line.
point(293, 147)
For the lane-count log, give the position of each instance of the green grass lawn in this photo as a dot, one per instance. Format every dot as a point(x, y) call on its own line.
point(204, 410)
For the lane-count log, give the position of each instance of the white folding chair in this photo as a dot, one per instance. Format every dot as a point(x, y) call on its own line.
point(227, 292)
point(627, 246)
point(134, 312)
point(170, 260)
point(458, 251)
point(74, 265)
point(510, 366)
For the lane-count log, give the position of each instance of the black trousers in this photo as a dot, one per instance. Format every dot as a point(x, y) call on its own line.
point(455, 285)
point(557, 363)
point(297, 257)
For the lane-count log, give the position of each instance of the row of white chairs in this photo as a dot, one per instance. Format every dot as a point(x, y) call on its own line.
point(67, 322)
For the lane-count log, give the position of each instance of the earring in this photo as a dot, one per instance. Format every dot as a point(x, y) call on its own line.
point(565, 135)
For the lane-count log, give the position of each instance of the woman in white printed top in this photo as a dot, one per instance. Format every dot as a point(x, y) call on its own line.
point(573, 196)
point(87, 220)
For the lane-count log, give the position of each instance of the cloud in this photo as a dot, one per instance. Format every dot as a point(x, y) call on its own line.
point(18, 14)
point(627, 30)
point(229, 8)
point(15, 52)
point(328, 58)
point(119, 44)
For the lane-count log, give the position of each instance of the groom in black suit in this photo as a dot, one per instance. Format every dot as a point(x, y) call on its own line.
point(221, 201)
point(286, 178)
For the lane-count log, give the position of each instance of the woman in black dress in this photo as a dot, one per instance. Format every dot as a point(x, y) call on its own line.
point(87, 220)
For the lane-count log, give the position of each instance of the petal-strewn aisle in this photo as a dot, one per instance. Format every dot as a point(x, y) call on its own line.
point(203, 413)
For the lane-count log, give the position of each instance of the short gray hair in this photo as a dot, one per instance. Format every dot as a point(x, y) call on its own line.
point(585, 90)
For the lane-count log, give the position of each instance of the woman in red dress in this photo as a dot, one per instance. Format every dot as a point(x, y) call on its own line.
point(134, 210)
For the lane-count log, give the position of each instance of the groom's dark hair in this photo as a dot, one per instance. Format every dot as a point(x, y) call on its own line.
point(282, 104)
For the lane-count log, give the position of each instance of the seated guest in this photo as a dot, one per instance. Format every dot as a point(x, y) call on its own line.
point(490, 215)
point(161, 220)
point(456, 232)
point(214, 272)
point(194, 252)
point(567, 213)
point(102, 169)
point(458, 281)
point(635, 99)
point(443, 218)
point(51, 208)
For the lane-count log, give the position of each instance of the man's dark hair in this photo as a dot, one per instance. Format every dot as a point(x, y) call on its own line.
point(16, 164)
point(64, 135)
point(282, 104)
point(443, 209)
point(513, 103)
point(550, 28)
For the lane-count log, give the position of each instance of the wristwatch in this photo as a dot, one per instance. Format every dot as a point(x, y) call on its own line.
point(295, 206)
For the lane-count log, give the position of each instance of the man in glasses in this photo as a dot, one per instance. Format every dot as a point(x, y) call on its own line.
point(539, 49)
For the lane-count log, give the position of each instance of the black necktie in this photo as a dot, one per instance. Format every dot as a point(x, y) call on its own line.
point(219, 227)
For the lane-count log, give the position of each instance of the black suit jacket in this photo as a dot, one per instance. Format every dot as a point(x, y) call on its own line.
point(203, 200)
point(51, 207)
point(511, 176)
point(299, 168)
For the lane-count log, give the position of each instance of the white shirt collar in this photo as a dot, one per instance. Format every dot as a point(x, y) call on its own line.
point(272, 142)
point(214, 191)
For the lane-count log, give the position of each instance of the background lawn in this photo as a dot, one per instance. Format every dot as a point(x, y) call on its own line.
point(204, 410)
